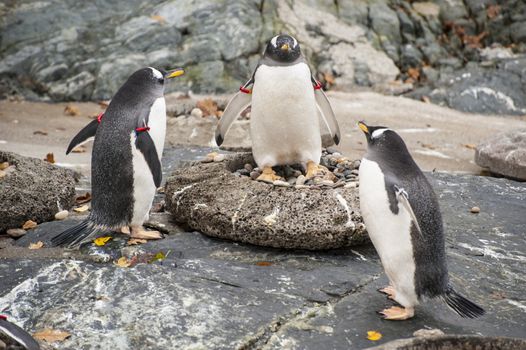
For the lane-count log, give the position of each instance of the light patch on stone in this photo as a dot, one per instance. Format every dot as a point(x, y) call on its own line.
point(234, 217)
point(271, 218)
point(432, 153)
point(345, 206)
point(359, 255)
point(178, 194)
point(489, 251)
point(508, 101)
point(517, 304)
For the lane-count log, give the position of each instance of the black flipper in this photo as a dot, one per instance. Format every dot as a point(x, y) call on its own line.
point(18, 334)
point(74, 236)
point(462, 306)
point(84, 134)
point(144, 143)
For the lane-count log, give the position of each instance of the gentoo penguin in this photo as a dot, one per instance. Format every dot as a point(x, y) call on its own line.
point(402, 216)
point(16, 333)
point(126, 158)
point(286, 100)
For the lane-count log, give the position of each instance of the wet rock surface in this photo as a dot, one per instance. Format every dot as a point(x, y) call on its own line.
point(217, 200)
point(32, 189)
point(424, 49)
point(504, 154)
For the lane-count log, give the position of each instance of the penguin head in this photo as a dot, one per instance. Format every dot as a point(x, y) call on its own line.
point(152, 80)
point(283, 48)
point(382, 139)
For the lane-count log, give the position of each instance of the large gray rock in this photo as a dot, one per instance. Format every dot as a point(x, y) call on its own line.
point(210, 198)
point(32, 189)
point(504, 154)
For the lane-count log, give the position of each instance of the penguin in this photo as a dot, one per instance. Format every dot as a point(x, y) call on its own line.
point(403, 219)
point(287, 103)
point(126, 158)
point(12, 331)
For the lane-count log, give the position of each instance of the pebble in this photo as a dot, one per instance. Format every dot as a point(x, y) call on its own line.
point(254, 174)
point(4, 165)
point(16, 232)
point(351, 184)
point(302, 186)
point(3, 345)
point(197, 113)
point(475, 210)
point(281, 183)
point(61, 215)
point(219, 158)
point(327, 183)
point(248, 167)
point(331, 150)
point(354, 172)
point(297, 173)
point(292, 180)
point(301, 180)
point(356, 164)
point(243, 172)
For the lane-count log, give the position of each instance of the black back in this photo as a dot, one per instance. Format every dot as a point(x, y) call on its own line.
point(390, 152)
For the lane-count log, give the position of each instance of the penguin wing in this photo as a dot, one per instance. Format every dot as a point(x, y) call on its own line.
point(235, 106)
point(403, 198)
point(144, 143)
point(18, 334)
point(83, 135)
point(325, 108)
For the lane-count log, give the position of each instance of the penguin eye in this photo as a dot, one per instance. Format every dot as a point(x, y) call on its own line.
point(160, 80)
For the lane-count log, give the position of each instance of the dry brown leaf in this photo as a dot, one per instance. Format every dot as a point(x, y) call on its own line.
point(263, 263)
point(414, 73)
point(158, 18)
point(136, 241)
point(498, 295)
point(104, 104)
point(36, 245)
point(81, 209)
point(122, 262)
point(29, 224)
point(426, 99)
point(428, 146)
point(208, 106)
point(79, 149)
point(329, 78)
point(492, 11)
point(39, 132)
point(470, 146)
point(50, 158)
point(4, 165)
point(71, 110)
point(85, 198)
point(51, 335)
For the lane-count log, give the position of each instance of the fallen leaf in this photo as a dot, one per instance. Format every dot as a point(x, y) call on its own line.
point(428, 146)
point(50, 158)
point(101, 241)
point(158, 18)
point(85, 198)
point(414, 73)
point(81, 209)
point(36, 245)
point(122, 262)
point(498, 295)
point(470, 146)
point(79, 149)
point(29, 224)
point(51, 335)
point(104, 104)
point(492, 11)
point(208, 106)
point(329, 78)
point(157, 257)
point(426, 99)
point(4, 165)
point(39, 132)
point(374, 335)
point(136, 241)
point(263, 263)
point(71, 110)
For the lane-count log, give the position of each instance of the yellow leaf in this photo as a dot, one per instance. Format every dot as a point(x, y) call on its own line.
point(374, 335)
point(158, 257)
point(50, 158)
point(81, 209)
point(36, 245)
point(51, 335)
point(122, 262)
point(29, 224)
point(101, 241)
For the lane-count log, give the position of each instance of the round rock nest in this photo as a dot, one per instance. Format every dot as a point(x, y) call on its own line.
point(219, 197)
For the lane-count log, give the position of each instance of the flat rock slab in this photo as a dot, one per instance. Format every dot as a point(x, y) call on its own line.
point(210, 198)
point(32, 189)
point(504, 154)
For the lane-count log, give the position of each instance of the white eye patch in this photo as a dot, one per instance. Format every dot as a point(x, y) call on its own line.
point(378, 132)
point(274, 41)
point(156, 73)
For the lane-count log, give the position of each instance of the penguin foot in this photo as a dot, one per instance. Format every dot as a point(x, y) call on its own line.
point(389, 291)
point(396, 313)
point(141, 233)
point(268, 175)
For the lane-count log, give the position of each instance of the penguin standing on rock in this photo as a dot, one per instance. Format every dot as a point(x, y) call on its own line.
point(403, 219)
point(286, 103)
point(126, 158)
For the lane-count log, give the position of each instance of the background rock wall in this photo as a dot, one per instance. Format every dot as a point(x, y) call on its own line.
point(463, 53)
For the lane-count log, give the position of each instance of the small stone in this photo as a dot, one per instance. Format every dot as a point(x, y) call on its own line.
point(292, 180)
point(3, 345)
point(355, 172)
point(356, 164)
point(219, 158)
point(331, 150)
point(254, 174)
point(302, 186)
point(196, 113)
point(248, 167)
point(297, 173)
point(4, 165)
point(2, 174)
point(301, 180)
point(61, 215)
point(281, 183)
point(475, 210)
point(243, 172)
point(16, 232)
point(327, 183)
point(351, 184)
point(423, 333)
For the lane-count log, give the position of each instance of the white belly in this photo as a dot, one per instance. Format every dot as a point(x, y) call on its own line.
point(284, 124)
point(388, 232)
point(143, 184)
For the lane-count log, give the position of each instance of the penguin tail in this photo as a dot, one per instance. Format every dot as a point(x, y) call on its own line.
point(74, 236)
point(462, 306)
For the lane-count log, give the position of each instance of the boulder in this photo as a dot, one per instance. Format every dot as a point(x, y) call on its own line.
point(504, 154)
point(32, 189)
point(210, 198)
